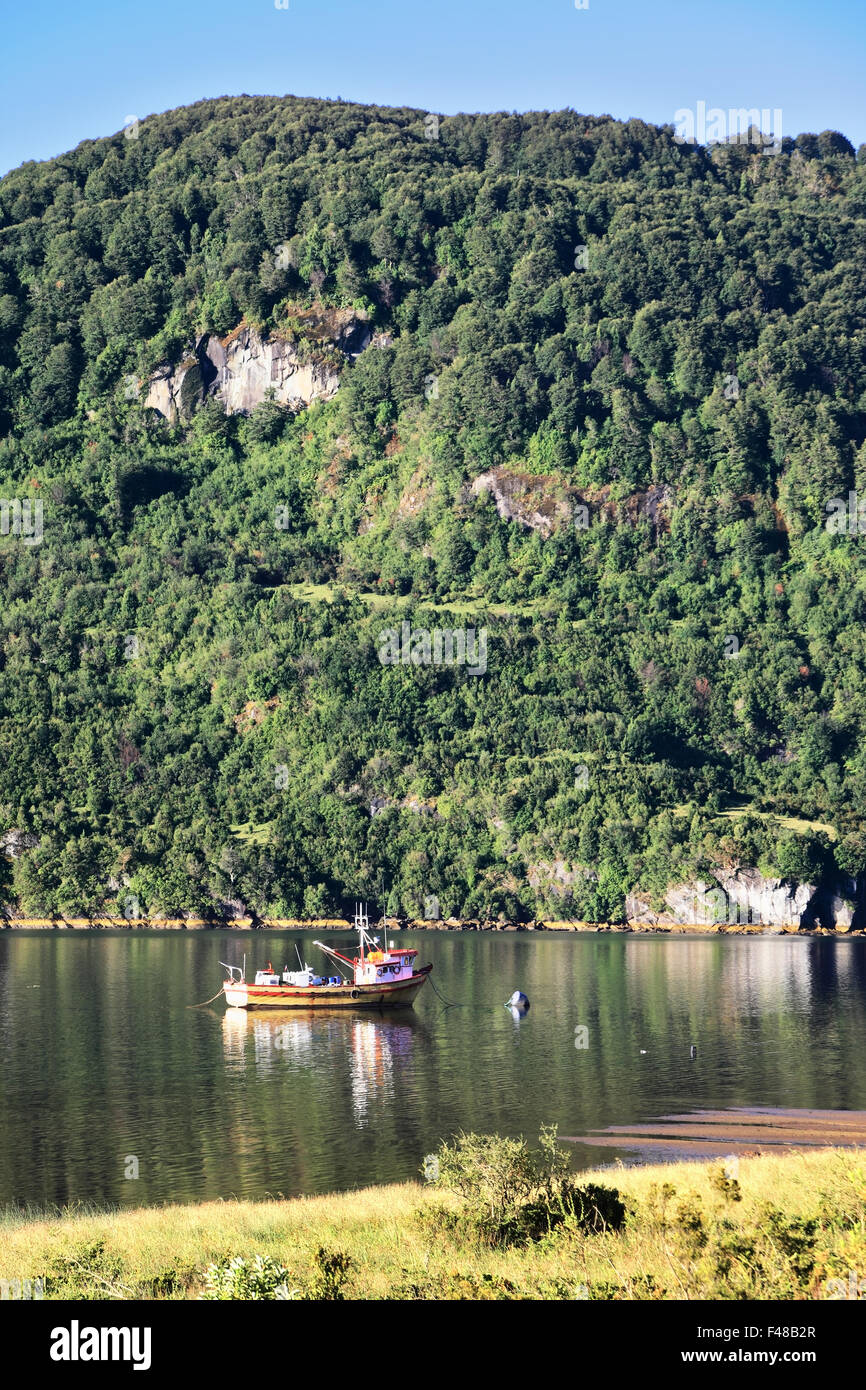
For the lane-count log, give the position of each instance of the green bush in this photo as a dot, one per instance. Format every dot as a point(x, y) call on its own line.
point(437, 1221)
point(513, 1194)
point(257, 1280)
point(87, 1272)
point(715, 1257)
point(332, 1271)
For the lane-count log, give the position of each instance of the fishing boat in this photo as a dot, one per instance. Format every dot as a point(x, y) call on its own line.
point(375, 978)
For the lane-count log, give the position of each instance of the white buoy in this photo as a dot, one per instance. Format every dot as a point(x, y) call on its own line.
point(518, 1000)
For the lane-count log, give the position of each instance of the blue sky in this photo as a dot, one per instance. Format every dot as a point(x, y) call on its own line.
point(79, 69)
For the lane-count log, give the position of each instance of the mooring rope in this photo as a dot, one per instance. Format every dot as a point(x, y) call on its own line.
point(207, 1001)
point(452, 1003)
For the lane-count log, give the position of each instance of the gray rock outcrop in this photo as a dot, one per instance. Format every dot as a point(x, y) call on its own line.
point(243, 369)
point(15, 842)
point(525, 499)
point(743, 897)
point(546, 503)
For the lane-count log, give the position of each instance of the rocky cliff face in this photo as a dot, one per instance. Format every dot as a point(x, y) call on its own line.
point(526, 498)
point(544, 504)
point(14, 843)
point(744, 897)
point(242, 368)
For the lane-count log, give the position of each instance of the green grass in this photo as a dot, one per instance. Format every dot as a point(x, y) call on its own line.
point(466, 606)
point(312, 593)
point(253, 833)
point(378, 602)
point(800, 827)
point(674, 1245)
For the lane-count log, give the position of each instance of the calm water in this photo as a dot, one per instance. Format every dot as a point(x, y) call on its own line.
point(102, 1060)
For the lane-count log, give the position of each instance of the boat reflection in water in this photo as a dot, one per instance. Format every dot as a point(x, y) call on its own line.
point(379, 1047)
point(369, 1052)
point(235, 1041)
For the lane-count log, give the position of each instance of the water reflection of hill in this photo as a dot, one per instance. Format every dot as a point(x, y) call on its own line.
point(102, 1055)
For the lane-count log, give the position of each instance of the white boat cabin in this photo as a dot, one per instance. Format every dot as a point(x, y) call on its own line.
point(384, 967)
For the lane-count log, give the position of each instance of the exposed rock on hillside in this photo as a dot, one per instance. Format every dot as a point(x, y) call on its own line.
point(526, 498)
point(14, 843)
point(556, 878)
point(299, 365)
point(836, 906)
point(744, 897)
point(543, 503)
point(379, 803)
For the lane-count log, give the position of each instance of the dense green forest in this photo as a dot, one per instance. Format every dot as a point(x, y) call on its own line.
point(655, 351)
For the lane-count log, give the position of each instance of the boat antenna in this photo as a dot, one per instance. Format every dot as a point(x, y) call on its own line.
point(300, 962)
point(384, 908)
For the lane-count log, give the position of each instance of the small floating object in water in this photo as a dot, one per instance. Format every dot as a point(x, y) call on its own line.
point(643, 1052)
point(518, 1000)
point(693, 1052)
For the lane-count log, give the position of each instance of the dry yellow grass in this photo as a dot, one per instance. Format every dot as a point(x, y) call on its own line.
point(121, 1254)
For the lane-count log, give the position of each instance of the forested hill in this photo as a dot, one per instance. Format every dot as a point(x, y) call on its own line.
point(604, 390)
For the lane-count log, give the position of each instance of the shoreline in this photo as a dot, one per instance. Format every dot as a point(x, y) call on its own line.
point(163, 1251)
point(663, 928)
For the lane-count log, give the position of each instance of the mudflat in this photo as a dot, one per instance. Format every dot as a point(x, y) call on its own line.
point(741, 1130)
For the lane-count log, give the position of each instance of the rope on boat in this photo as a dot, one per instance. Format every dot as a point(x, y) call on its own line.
point(207, 1001)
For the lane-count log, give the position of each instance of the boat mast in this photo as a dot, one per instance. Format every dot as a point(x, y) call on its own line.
point(359, 923)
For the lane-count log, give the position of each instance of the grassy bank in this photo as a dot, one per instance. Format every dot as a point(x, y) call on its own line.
point(778, 1226)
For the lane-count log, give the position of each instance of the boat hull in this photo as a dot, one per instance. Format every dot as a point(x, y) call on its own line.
point(399, 995)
